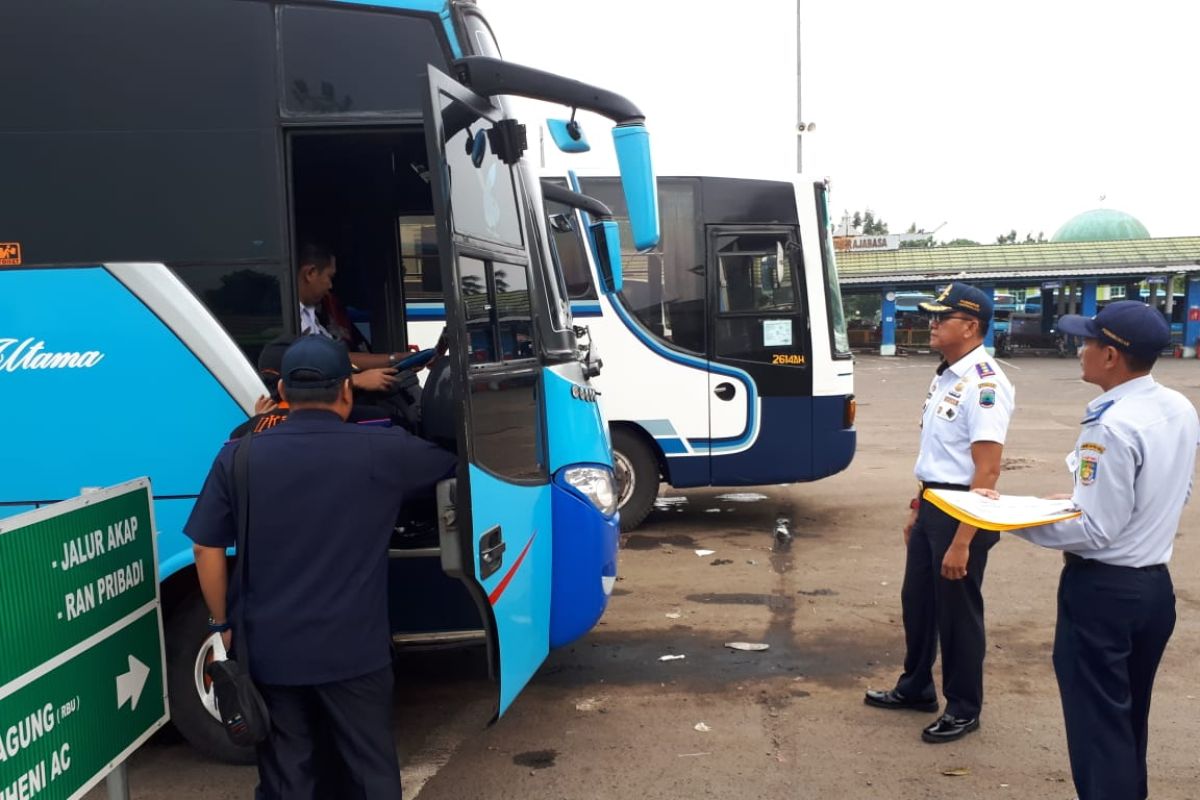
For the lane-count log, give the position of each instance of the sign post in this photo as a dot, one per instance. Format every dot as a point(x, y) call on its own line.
point(82, 666)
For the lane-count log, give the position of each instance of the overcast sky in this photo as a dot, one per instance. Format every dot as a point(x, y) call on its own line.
point(986, 117)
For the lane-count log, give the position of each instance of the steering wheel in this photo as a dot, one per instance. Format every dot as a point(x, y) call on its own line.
point(416, 360)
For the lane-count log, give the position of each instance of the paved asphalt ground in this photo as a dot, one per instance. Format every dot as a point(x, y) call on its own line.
point(606, 718)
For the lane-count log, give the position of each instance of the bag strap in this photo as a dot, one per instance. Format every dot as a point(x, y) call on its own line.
point(241, 490)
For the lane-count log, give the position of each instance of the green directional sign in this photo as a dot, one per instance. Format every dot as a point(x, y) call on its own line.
point(81, 658)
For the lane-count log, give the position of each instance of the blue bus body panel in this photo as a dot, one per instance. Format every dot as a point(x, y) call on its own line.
point(519, 591)
point(578, 433)
point(783, 453)
point(147, 406)
point(585, 541)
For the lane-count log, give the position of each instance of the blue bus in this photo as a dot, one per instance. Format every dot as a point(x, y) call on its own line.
point(726, 356)
point(161, 160)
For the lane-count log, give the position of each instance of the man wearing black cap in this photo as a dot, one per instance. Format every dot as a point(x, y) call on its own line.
point(963, 427)
point(1132, 468)
point(323, 499)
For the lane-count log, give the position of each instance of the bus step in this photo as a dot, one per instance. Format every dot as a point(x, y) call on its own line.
point(415, 552)
point(440, 638)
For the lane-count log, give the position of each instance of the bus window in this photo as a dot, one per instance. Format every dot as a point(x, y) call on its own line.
point(333, 60)
point(665, 288)
point(472, 281)
point(754, 275)
point(247, 300)
point(419, 259)
point(840, 339)
point(568, 246)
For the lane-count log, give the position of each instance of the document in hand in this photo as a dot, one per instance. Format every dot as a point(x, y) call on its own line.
point(1008, 513)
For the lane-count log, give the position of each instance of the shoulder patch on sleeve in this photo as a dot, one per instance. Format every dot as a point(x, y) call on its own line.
point(1089, 466)
point(984, 369)
point(987, 397)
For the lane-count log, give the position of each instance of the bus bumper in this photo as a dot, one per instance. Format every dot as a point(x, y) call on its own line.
point(585, 564)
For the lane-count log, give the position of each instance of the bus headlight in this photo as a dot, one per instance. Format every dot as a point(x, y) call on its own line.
point(596, 484)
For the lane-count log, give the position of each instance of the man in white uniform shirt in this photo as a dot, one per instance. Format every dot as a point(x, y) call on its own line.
point(963, 427)
point(316, 268)
point(1132, 467)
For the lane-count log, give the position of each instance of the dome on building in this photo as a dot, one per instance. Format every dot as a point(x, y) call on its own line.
point(1101, 225)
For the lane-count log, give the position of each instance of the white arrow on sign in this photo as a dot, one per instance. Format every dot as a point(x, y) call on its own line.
point(131, 684)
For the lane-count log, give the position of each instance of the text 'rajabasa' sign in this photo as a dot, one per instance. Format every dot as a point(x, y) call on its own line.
point(82, 669)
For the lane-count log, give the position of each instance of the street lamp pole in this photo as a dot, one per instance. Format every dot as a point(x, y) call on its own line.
point(799, 116)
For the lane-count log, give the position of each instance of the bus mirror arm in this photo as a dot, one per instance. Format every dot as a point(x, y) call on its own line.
point(492, 76)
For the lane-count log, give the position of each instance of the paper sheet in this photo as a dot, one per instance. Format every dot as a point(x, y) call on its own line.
point(1008, 513)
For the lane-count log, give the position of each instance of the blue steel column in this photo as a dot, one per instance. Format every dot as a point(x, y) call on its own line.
point(887, 324)
point(1089, 299)
point(989, 341)
point(1191, 325)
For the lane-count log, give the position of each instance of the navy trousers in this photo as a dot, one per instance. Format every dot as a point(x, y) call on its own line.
point(940, 611)
point(1113, 625)
point(330, 741)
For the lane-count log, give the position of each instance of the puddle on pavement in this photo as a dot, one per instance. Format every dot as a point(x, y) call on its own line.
point(742, 497)
point(665, 503)
point(536, 759)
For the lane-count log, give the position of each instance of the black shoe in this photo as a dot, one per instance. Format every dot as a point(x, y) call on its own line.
point(948, 729)
point(893, 699)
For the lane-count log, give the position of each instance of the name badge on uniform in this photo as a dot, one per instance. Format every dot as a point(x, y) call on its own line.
point(946, 411)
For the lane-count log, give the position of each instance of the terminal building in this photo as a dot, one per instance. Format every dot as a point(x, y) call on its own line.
point(1096, 257)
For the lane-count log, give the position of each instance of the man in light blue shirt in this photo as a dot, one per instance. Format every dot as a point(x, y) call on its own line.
point(1132, 467)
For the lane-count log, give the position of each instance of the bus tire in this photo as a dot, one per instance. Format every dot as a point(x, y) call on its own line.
point(637, 477)
point(187, 643)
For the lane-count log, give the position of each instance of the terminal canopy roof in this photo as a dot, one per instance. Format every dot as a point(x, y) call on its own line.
point(1112, 261)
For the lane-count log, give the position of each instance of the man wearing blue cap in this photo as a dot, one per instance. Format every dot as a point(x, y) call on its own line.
point(323, 499)
point(1132, 467)
point(963, 427)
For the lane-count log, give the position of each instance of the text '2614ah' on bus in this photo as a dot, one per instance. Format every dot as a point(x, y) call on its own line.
point(162, 160)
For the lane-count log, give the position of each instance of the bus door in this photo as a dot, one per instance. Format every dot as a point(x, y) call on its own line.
point(759, 351)
point(499, 538)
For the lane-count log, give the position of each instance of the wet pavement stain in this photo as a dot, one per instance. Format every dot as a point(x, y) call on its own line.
point(817, 593)
point(644, 541)
point(743, 599)
point(536, 759)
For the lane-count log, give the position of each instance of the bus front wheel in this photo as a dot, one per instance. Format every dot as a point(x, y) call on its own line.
point(637, 475)
point(193, 705)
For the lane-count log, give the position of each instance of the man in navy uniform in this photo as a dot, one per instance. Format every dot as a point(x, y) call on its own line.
point(1132, 467)
point(963, 427)
point(323, 499)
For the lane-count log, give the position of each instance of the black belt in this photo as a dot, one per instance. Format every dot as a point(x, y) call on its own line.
point(1072, 558)
point(957, 487)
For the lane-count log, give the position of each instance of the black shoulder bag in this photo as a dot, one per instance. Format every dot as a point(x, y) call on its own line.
point(243, 710)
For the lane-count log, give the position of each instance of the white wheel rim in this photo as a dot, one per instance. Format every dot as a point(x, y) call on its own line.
point(626, 478)
point(204, 688)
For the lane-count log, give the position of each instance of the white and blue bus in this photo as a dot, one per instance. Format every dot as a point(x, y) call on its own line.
point(725, 355)
point(161, 159)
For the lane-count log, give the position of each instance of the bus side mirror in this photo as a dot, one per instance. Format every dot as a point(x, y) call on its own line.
point(568, 136)
point(608, 255)
point(632, 143)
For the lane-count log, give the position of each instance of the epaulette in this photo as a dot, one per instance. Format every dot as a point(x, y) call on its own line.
point(1097, 412)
